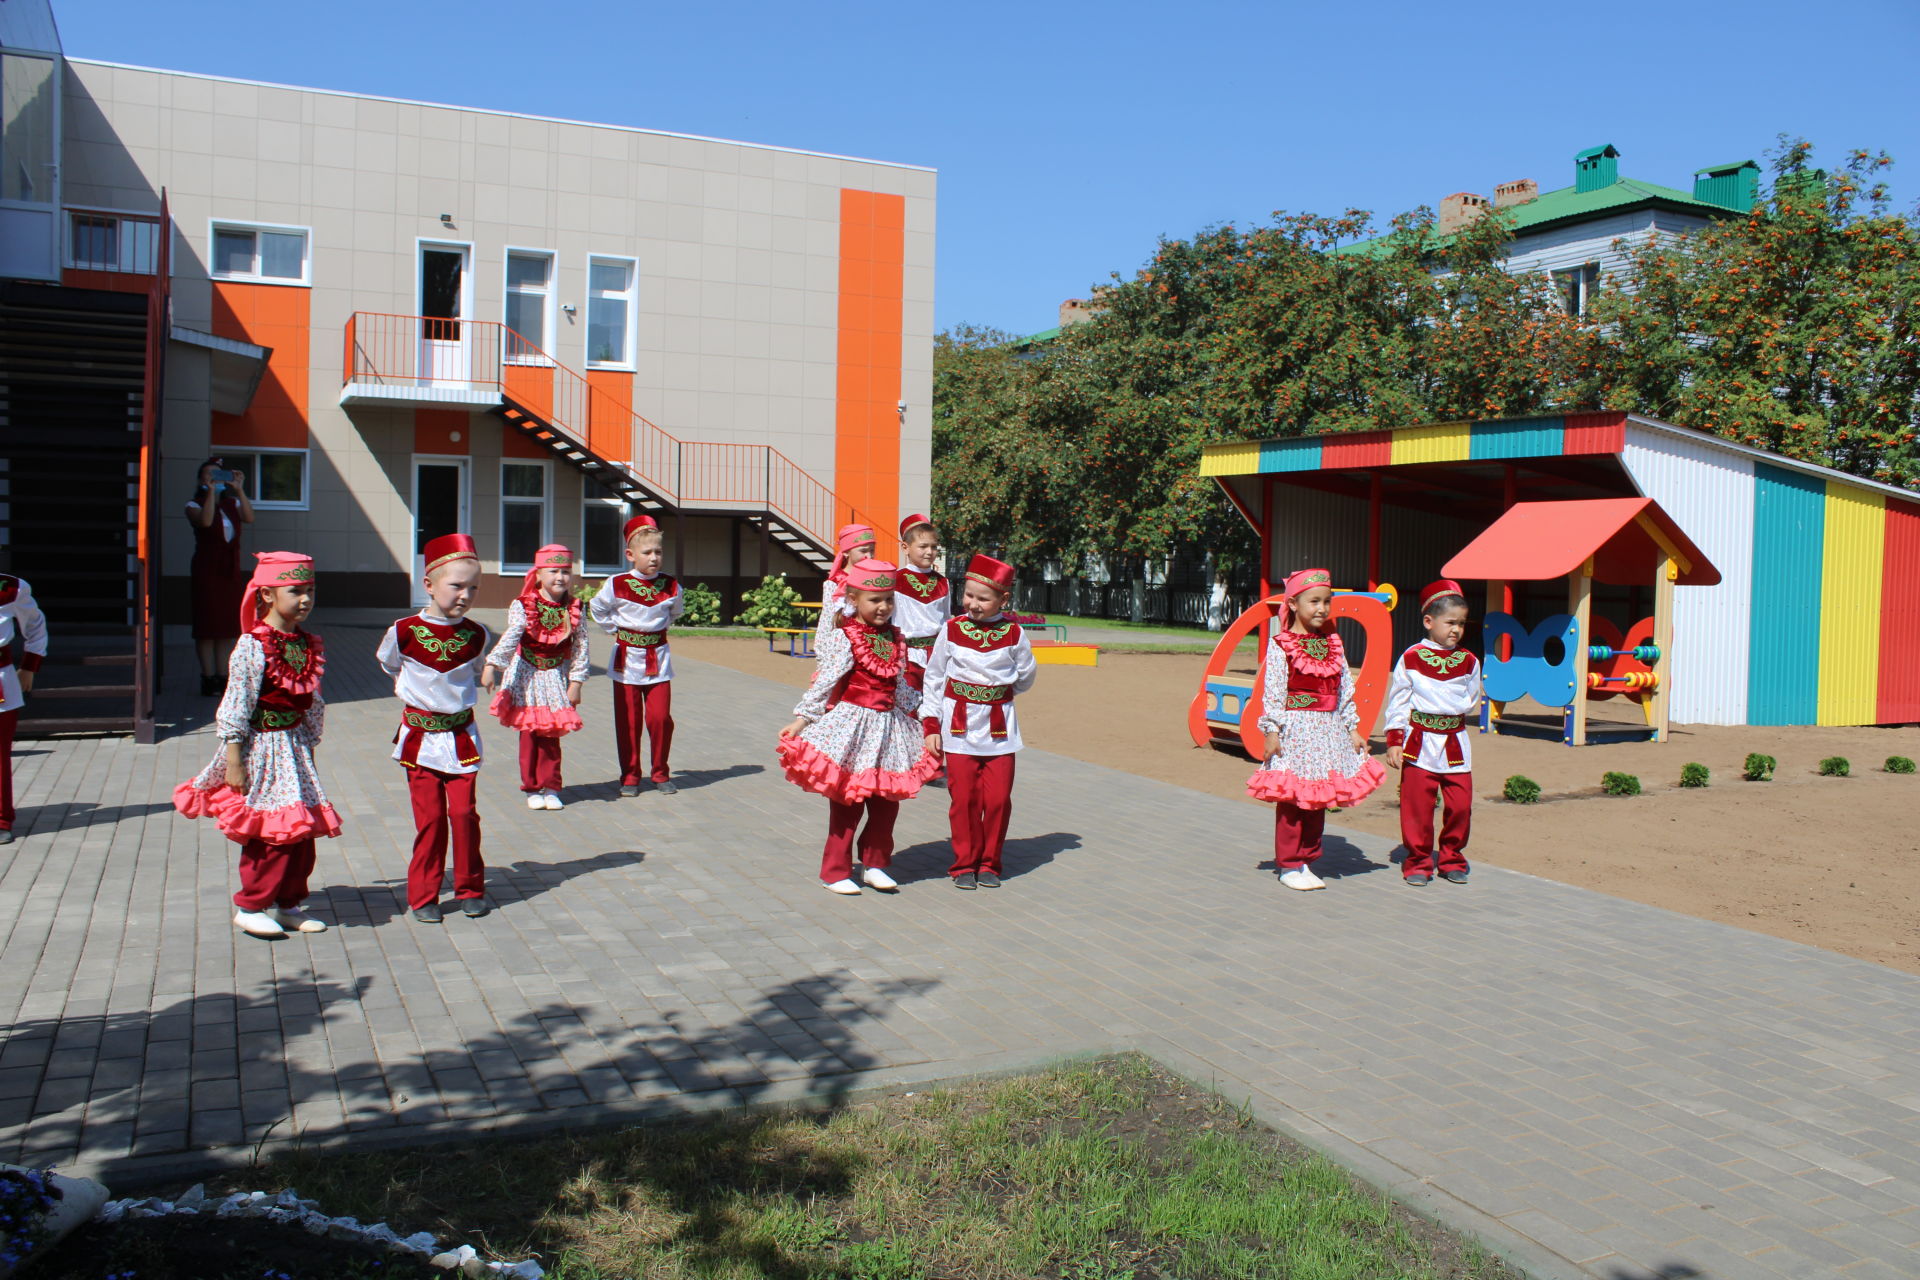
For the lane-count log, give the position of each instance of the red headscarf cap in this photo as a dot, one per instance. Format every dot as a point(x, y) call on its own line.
point(274, 569)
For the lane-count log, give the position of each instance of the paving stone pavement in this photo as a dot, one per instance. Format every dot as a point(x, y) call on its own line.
point(1595, 1087)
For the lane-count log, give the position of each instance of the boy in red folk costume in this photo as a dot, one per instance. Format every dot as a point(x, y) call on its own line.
point(1316, 755)
point(636, 609)
point(434, 657)
point(1434, 690)
point(979, 663)
point(852, 544)
point(854, 738)
point(922, 600)
point(261, 787)
point(541, 663)
point(23, 643)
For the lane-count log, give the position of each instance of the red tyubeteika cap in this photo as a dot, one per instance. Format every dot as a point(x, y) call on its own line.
point(273, 569)
point(997, 574)
point(447, 548)
point(912, 522)
point(636, 524)
point(1437, 588)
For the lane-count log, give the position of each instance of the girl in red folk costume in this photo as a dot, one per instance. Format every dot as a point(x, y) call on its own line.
point(540, 663)
point(1316, 755)
point(852, 544)
point(636, 609)
point(434, 658)
point(922, 601)
point(1435, 688)
point(979, 663)
point(854, 738)
point(261, 787)
point(23, 643)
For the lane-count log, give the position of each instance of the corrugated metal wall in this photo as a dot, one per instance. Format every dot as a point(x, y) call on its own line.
point(1856, 530)
point(1709, 492)
point(1900, 616)
point(1789, 536)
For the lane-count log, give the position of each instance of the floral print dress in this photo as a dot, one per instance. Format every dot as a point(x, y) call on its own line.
point(865, 741)
point(273, 708)
point(541, 657)
point(1308, 701)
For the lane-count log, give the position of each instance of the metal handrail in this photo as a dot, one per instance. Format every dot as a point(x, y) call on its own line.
point(146, 589)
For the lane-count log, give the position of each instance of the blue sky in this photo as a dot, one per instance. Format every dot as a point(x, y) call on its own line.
point(1070, 135)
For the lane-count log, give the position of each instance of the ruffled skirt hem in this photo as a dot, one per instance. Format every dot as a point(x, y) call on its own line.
point(542, 722)
point(1283, 786)
point(810, 770)
point(289, 824)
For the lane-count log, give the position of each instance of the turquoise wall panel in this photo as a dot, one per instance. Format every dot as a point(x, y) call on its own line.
point(1789, 534)
point(1526, 438)
point(1290, 455)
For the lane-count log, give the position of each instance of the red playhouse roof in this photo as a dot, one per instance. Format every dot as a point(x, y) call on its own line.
point(1537, 541)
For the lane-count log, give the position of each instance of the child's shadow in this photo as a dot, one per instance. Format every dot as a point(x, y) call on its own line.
point(930, 860)
point(370, 906)
point(1339, 859)
point(691, 779)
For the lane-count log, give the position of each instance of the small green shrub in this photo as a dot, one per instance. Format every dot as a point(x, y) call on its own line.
point(1619, 784)
point(1835, 767)
point(1521, 789)
point(1759, 768)
point(703, 606)
point(771, 604)
point(1898, 764)
point(585, 588)
point(1695, 775)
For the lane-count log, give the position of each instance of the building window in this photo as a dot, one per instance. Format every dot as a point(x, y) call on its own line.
point(601, 520)
point(529, 305)
point(611, 296)
point(523, 514)
point(266, 254)
point(1577, 286)
point(276, 479)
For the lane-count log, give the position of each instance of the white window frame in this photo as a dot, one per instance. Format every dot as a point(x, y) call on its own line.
point(1585, 280)
point(620, 505)
point(547, 310)
point(626, 362)
point(216, 225)
point(545, 503)
point(253, 477)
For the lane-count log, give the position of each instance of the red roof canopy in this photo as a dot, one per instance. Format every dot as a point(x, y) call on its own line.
point(1537, 541)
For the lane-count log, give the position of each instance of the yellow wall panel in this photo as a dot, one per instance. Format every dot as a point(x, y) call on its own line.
point(1850, 564)
point(1241, 458)
point(1447, 442)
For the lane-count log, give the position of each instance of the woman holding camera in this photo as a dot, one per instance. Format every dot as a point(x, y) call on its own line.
point(217, 510)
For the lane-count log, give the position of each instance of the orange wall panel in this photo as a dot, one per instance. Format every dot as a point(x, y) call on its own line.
point(610, 413)
point(280, 318)
point(110, 281)
point(867, 384)
point(434, 431)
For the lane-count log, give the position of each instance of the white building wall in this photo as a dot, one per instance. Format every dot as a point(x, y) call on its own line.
point(1605, 241)
point(1709, 492)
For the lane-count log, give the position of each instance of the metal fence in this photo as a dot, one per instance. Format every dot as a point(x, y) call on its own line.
point(1185, 590)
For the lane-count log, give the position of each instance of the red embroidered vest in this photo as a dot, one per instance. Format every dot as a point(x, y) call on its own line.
point(645, 591)
point(964, 633)
point(442, 646)
point(867, 689)
point(924, 587)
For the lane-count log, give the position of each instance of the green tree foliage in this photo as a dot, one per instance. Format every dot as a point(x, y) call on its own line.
point(1792, 329)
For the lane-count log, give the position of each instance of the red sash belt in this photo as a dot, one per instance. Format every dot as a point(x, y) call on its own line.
point(649, 641)
point(539, 658)
point(921, 642)
point(994, 697)
point(417, 724)
point(1420, 724)
point(873, 697)
point(275, 719)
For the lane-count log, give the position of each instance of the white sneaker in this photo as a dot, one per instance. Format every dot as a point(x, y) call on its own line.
point(296, 920)
point(535, 800)
point(259, 924)
point(878, 879)
point(1302, 878)
point(847, 887)
point(551, 800)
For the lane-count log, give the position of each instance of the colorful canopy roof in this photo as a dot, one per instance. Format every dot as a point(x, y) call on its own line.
point(1537, 541)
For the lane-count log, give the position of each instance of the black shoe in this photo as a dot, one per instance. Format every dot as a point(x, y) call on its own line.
point(429, 914)
point(966, 880)
point(987, 880)
point(474, 908)
point(666, 788)
point(209, 686)
point(1454, 877)
point(629, 789)
point(1420, 882)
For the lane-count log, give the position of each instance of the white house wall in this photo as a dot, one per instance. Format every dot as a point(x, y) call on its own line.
point(1605, 241)
point(1709, 493)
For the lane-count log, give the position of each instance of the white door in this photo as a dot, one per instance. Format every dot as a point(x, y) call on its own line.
point(439, 507)
point(446, 303)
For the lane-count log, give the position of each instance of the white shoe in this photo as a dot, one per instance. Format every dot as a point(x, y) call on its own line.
point(847, 887)
point(535, 800)
point(295, 920)
point(878, 879)
point(1302, 878)
point(259, 924)
point(551, 800)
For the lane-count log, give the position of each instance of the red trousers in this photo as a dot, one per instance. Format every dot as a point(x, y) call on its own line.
point(443, 804)
point(1296, 835)
point(979, 804)
point(633, 706)
point(539, 763)
point(1418, 790)
point(876, 842)
point(273, 875)
point(9, 721)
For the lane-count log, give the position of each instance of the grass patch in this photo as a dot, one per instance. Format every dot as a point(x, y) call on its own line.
point(1759, 767)
point(1615, 783)
point(1105, 1171)
point(1520, 789)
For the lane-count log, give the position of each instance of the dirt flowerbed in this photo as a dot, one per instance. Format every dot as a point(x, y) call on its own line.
point(1826, 861)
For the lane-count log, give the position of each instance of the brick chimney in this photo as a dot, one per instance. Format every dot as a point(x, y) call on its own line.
point(1519, 191)
point(1077, 311)
point(1461, 209)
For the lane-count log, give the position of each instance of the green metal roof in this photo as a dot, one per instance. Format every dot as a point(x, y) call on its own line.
point(1728, 167)
point(1045, 335)
point(1568, 204)
point(1605, 149)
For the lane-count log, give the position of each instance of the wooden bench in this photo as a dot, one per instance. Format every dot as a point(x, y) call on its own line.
point(799, 640)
